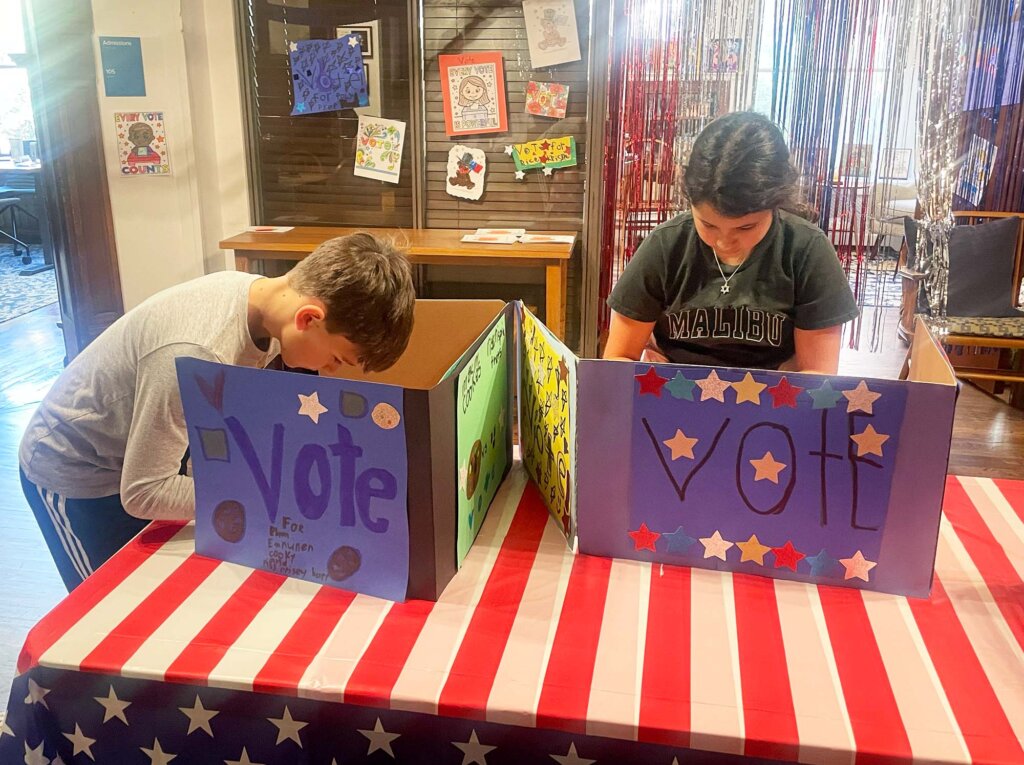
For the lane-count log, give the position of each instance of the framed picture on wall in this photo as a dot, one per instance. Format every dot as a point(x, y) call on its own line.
point(368, 34)
point(895, 164)
point(856, 162)
point(473, 91)
point(365, 35)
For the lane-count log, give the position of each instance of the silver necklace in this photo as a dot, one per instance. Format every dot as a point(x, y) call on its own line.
point(725, 287)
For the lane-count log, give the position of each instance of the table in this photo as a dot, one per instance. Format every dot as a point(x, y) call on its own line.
point(433, 247)
point(531, 654)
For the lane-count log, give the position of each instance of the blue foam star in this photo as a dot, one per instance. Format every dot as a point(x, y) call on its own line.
point(821, 563)
point(678, 540)
point(824, 397)
point(300, 107)
point(681, 387)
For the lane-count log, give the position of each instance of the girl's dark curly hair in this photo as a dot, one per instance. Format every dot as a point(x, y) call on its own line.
point(740, 165)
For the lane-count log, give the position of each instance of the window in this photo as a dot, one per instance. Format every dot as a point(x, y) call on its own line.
point(17, 130)
point(302, 166)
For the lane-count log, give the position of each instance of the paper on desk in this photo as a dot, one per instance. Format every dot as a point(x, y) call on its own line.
point(269, 229)
point(490, 238)
point(547, 239)
point(500, 231)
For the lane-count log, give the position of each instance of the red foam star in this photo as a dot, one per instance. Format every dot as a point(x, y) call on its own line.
point(787, 556)
point(545, 146)
point(644, 538)
point(651, 382)
point(784, 394)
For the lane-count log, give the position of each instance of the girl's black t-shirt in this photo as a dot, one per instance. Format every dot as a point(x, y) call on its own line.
point(792, 279)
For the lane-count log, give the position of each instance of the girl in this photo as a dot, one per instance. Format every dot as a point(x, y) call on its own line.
point(737, 281)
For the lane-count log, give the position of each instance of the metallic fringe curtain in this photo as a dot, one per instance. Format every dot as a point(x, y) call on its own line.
point(676, 66)
point(993, 104)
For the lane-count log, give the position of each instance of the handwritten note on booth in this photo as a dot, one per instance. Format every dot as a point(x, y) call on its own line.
point(300, 475)
point(547, 390)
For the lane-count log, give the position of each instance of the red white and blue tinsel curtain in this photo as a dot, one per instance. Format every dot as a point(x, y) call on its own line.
point(841, 77)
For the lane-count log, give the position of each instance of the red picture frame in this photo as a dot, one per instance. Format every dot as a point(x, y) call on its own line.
point(473, 91)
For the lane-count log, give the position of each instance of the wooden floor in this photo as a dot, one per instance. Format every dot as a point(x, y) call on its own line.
point(988, 441)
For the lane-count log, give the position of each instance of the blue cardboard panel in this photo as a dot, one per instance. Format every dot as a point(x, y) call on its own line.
point(121, 58)
point(300, 475)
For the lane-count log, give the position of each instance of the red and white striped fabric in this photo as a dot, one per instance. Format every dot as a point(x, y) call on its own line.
point(529, 634)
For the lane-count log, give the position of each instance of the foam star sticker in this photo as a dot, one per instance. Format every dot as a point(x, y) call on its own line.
point(681, 386)
point(81, 743)
point(520, 175)
point(293, 47)
point(821, 563)
point(787, 556)
point(36, 693)
point(473, 752)
point(198, 717)
point(715, 546)
point(311, 407)
point(243, 759)
point(678, 540)
point(767, 468)
point(748, 390)
point(379, 739)
point(287, 728)
point(508, 150)
point(157, 756)
point(753, 550)
point(711, 387)
point(113, 706)
point(861, 399)
point(570, 757)
point(824, 397)
point(784, 394)
point(644, 538)
point(547, 171)
point(681, 445)
point(858, 566)
point(563, 370)
point(869, 442)
point(651, 382)
point(353, 41)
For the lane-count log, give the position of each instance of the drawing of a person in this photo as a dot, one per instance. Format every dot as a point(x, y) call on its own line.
point(141, 136)
point(473, 98)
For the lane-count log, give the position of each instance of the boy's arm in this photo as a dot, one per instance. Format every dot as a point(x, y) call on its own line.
point(151, 487)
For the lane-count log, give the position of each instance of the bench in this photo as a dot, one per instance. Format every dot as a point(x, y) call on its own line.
point(432, 247)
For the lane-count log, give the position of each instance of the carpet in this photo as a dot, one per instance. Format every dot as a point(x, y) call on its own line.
point(21, 294)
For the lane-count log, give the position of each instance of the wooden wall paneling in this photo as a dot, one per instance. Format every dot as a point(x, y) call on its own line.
point(538, 202)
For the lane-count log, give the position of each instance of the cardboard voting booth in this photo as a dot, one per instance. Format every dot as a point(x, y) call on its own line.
point(376, 483)
point(379, 483)
point(835, 480)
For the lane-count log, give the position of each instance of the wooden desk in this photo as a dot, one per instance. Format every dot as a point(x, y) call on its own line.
point(432, 247)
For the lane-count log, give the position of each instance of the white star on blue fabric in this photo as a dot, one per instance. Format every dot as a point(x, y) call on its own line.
point(379, 739)
point(473, 752)
point(80, 743)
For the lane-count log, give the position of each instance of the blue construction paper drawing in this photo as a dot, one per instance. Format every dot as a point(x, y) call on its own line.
point(327, 75)
point(796, 460)
point(300, 475)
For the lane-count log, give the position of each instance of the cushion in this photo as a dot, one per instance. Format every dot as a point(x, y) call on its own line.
point(981, 269)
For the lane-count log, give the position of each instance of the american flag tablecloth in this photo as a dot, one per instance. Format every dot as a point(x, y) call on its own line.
point(533, 655)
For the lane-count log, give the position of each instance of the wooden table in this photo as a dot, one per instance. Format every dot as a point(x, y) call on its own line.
point(431, 247)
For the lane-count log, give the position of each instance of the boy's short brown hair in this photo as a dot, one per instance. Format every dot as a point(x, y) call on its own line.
point(366, 284)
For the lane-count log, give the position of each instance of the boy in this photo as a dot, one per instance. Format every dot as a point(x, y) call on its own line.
point(103, 454)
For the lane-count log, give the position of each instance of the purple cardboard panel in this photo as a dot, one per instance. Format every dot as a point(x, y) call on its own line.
point(789, 475)
point(300, 475)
